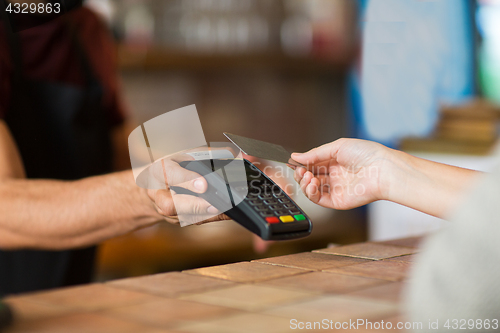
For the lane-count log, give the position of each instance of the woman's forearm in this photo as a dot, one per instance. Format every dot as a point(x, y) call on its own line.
point(66, 214)
point(431, 187)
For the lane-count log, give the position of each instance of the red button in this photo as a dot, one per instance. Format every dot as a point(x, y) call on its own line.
point(273, 219)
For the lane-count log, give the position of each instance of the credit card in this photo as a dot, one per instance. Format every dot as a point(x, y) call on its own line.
point(262, 149)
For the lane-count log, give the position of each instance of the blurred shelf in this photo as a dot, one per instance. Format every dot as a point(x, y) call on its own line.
point(164, 59)
point(444, 146)
point(470, 128)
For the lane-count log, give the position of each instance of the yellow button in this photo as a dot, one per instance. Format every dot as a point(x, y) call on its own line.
point(287, 218)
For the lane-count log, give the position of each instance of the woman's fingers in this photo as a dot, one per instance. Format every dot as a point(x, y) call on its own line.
point(315, 187)
point(313, 190)
point(305, 181)
point(320, 154)
point(299, 173)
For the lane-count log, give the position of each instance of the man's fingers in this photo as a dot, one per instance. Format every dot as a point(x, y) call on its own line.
point(170, 205)
point(219, 217)
point(191, 205)
point(172, 174)
point(186, 208)
point(163, 202)
point(175, 175)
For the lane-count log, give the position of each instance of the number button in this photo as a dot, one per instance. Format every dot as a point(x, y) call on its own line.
point(281, 212)
point(284, 200)
point(266, 214)
point(270, 202)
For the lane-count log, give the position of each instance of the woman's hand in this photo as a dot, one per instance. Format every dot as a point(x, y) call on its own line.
point(344, 174)
point(348, 173)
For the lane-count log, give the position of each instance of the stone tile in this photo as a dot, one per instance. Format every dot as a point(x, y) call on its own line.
point(369, 251)
point(407, 258)
point(322, 282)
point(23, 309)
point(246, 272)
point(89, 297)
point(311, 260)
point(390, 292)
point(250, 297)
point(406, 242)
point(384, 270)
point(244, 323)
point(169, 312)
point(82, 323)
point(335, 308)
point(171, 284)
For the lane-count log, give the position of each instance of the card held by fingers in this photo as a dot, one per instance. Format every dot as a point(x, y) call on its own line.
point(262, 149)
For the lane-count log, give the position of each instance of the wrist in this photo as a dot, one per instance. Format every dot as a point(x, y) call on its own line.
point(394, 174)
point(146, 207)
point(141, 207)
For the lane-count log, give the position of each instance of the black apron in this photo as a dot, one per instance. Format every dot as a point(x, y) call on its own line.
point(62, 132)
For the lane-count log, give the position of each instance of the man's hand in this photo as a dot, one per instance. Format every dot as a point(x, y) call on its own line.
point(169, 204)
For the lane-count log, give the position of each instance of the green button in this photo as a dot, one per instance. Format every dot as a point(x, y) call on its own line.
point(299, 217)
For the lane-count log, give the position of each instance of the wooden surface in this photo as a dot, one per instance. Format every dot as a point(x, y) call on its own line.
point(358, 281)
point(167, 247)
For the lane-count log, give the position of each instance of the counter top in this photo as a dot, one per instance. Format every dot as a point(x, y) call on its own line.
point(357, 281)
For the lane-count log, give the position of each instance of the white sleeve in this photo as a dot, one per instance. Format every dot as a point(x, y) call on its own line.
point(458, 273)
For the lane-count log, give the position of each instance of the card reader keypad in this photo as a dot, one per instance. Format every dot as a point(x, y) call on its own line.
point(273, 205)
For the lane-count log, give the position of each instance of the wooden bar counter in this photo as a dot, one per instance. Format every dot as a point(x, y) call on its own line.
point(358, 281)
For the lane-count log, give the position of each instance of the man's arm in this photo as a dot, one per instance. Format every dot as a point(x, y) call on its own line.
point(65, 214)
point(11, 165)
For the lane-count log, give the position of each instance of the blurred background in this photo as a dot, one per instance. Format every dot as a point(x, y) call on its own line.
point(422, 76)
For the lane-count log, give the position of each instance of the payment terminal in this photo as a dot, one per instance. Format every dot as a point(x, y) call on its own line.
point(256, 202)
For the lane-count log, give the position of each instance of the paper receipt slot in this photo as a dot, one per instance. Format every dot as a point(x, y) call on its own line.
point(245, 194)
